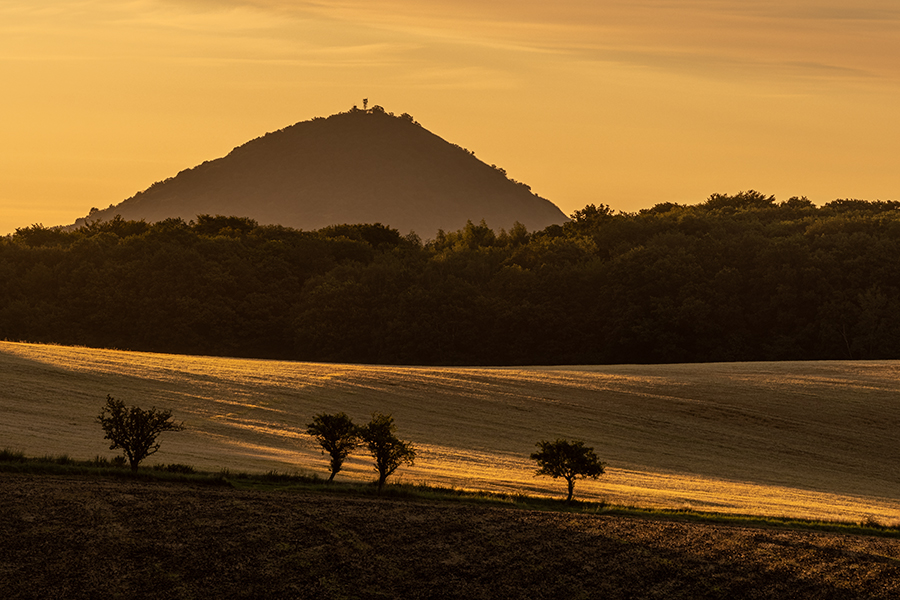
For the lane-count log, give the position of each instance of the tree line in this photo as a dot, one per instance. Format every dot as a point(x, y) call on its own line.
point(135, 431)
point(339, 436)
point(734, 278)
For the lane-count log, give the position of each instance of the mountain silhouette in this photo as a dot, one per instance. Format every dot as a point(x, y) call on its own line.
point(361, 166)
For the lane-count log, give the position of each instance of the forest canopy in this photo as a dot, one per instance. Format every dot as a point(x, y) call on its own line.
point(735, 278)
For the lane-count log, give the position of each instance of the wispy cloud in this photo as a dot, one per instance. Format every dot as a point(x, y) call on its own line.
point(805, 39)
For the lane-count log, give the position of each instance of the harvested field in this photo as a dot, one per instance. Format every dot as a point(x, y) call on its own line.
point(95, 538)
point(812, 439)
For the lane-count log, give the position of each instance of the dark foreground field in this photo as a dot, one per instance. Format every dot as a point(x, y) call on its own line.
point(100, 538)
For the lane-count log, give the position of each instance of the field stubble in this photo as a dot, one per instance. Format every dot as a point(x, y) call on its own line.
point(809, 440)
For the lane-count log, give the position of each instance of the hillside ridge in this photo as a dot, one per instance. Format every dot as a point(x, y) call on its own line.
point(360, 166)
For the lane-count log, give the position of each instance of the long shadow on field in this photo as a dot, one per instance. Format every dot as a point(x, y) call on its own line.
point(80, 538)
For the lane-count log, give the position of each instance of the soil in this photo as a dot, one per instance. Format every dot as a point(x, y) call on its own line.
point(82, 537)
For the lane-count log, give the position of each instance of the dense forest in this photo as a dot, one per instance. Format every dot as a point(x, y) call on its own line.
point(734, 278)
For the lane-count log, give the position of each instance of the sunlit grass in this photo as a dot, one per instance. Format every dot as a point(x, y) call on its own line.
point(273, 481)
point(799, 440)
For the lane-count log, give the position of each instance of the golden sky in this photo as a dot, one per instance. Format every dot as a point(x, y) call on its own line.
point(621, 102)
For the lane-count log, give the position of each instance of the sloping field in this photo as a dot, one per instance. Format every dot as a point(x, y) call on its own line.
point(101, 538)
point(811, 439)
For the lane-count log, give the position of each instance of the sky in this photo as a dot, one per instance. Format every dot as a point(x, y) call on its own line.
point(627, 103)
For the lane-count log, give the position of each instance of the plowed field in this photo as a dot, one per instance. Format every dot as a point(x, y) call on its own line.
point(83, 538)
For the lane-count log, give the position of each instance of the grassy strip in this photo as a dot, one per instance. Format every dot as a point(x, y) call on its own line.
point(525, 502)
point(17, 462)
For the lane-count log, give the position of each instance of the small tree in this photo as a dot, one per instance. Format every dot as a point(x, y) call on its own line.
point(134, 430)
point(388, 451)
point(337, 435)
point(569, 460)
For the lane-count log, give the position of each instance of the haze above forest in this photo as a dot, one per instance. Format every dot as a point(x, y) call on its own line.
point(734, 278)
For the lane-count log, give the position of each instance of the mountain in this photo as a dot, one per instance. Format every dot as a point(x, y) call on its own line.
point(361, 166)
